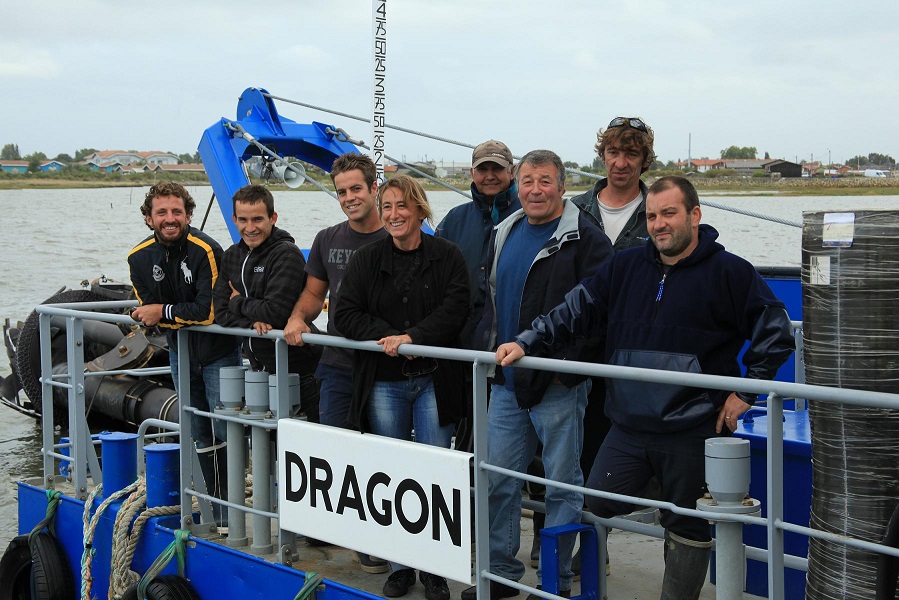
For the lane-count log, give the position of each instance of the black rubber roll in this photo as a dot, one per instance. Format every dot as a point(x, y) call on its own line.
point(28, 346)
point(850, 308)
point(15, 570)
point(51, 577)
point(165, 587)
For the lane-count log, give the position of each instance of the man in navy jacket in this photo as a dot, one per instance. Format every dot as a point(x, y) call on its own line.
point(680, 303)
point(494, 197)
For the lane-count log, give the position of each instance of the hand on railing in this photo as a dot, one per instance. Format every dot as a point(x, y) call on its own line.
point(508, 353)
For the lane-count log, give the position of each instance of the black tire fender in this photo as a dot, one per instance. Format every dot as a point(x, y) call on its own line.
point(28, 357)
point(165, 587)
point(15, 570)
point(51, 577)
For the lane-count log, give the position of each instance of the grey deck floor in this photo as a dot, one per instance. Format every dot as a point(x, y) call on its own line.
point(636, 563)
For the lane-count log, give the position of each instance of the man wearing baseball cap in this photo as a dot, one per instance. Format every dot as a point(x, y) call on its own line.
point(494, 197)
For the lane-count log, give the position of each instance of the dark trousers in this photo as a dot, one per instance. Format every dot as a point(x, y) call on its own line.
point(628, 459)
point(596, 425)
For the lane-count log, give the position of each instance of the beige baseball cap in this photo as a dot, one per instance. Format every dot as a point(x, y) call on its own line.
point(491, 151)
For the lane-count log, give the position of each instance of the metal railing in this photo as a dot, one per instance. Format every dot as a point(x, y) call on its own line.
point(82, 454)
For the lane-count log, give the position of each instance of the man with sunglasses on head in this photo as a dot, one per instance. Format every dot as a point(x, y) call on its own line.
point(617, 202)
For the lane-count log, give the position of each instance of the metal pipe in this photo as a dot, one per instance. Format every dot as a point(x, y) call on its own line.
point(727, 474)
point(262, 499)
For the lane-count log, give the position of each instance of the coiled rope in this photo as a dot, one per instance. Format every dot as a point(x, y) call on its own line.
point(90, 528)
point(124, 544)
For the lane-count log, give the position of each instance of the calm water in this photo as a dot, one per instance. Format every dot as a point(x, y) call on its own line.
point(55, 238)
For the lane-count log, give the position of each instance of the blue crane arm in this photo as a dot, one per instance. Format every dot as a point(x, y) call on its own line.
point(223, 150)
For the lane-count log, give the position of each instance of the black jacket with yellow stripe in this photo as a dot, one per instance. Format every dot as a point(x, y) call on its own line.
point(181, 278)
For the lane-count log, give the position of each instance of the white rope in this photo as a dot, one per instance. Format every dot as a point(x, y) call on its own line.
point(90, 528)
point(125, 544)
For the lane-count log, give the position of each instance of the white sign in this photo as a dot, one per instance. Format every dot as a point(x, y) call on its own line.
point(839, 229)
point(405, 502)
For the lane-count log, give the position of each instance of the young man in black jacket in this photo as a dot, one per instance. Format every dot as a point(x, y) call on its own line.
point(260, 280)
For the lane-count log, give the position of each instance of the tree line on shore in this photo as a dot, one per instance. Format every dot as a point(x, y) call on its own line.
point(74, 168)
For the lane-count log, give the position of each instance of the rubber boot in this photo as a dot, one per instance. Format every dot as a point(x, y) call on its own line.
point(686, 566)
point(214, 465)
point(539, 523)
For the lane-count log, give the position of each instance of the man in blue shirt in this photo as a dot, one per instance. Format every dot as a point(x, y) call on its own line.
point(534, 254)
point(679, 303)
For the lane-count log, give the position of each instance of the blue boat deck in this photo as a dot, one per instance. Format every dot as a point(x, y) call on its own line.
point(636, 561)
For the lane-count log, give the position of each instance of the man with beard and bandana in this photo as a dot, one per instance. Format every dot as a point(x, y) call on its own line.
point(173, 272)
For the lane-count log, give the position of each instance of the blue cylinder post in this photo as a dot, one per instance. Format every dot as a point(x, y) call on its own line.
point(119, 451)
point(162, 474)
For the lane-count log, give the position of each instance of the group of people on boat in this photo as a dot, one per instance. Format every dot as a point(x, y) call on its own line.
point(623, 274)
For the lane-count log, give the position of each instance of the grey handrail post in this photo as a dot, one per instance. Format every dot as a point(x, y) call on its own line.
point(187, 432)
point(774, 498)
point(281, 373)
point(81, 439)
point(481, 508)
point(47, 401)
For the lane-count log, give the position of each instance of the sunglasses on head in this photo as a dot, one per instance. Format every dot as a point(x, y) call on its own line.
point(632, 121)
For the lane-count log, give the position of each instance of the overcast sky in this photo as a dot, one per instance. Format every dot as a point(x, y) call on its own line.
point(793, 79)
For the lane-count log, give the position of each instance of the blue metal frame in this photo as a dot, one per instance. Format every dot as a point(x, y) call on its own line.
point(223, 151)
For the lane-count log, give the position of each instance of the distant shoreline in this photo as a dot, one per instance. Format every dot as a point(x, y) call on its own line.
point(846, 186)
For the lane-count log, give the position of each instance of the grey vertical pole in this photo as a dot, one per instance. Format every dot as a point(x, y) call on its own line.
point(262, 500)
point(775, 497)
point(78, 431)
point(284, 395)
point(256, 397)
point(481, 510)
point(282, 408)
point(232, 398)
point(727, 470)
point(188, 450)
point(47, 402)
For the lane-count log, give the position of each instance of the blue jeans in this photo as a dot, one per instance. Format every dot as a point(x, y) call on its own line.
point(205, 389)
point(396, 407)
point(335, 395)
point(512, 435)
